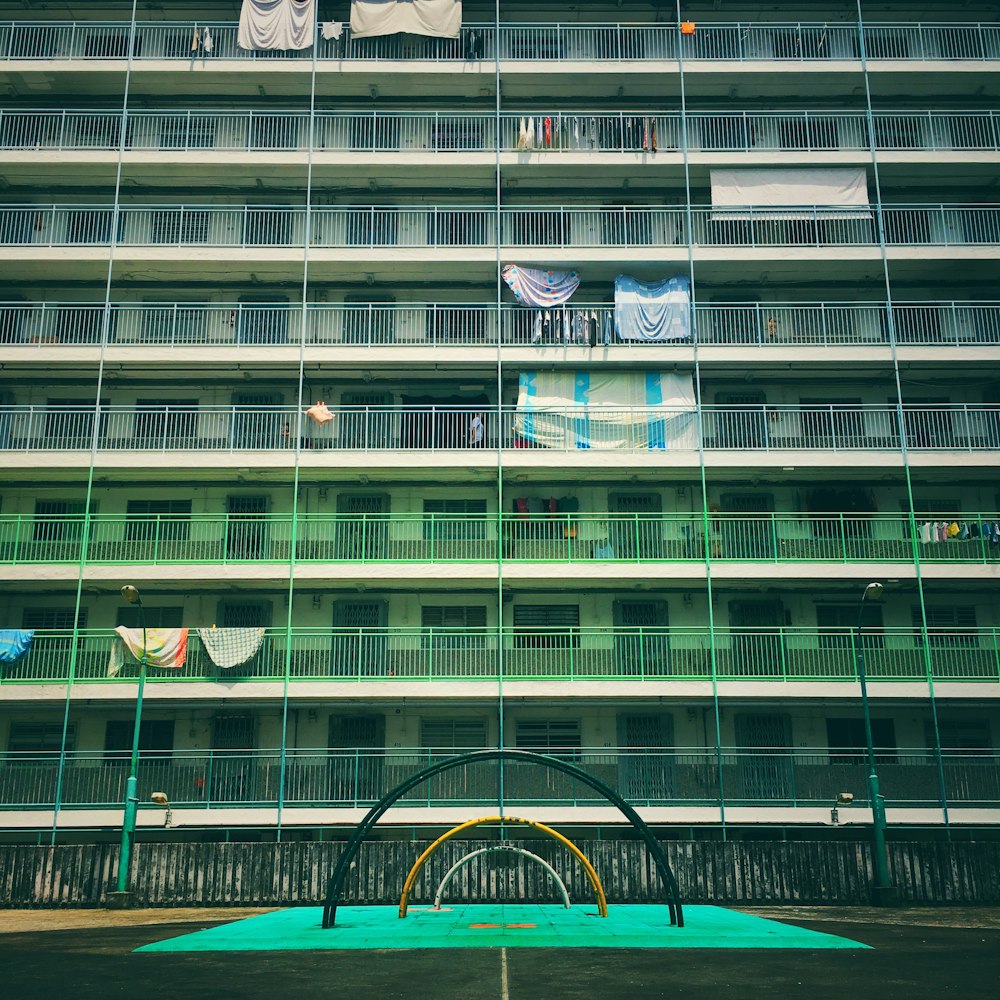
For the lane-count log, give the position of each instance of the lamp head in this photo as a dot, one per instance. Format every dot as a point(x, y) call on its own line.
point(845, 798)
point(873, 592)
point(130, 595)
point(159, 799)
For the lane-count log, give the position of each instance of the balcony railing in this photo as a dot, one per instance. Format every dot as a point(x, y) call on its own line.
point(395, 654)
point(444, 132)
point(779, 776)
point(163, 539)
point(371, 227)
point(452, 324)
point(794, 42)
point(833, 427)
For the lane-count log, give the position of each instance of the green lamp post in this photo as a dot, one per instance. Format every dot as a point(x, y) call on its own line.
point(131, 596)
point(883, 893)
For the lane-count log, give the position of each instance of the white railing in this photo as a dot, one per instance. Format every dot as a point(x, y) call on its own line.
point(369, 227)
point(955, 427)
point(795, 41)
point(42, 325)
point(442, 131)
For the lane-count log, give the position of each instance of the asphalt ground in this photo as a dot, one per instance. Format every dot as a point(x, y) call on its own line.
point(87, 955)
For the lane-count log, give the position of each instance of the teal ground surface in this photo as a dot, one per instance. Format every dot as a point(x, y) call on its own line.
point(543, 926)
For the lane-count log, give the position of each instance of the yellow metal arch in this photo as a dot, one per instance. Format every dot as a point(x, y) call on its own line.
point(602, 903)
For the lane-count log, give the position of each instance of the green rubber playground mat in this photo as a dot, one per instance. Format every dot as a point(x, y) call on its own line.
point(521, 925)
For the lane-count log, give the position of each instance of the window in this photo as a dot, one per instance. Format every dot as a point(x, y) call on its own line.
point(242, 614)
point(40, 737)
point(454, 623)
point(947, 625)
point(546, 626)
point(558, 736)
point(179, 226)
point(453, 734)
point(469, 519)
point(162, 422)
point(837, 622)
point(160, 520)
point(51, 618)
point(156, 617)
point(848, 745)
point(58, 520)
point(971, 735)
point(156, 737)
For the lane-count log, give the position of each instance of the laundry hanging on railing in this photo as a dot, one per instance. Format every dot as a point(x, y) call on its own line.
point(934, 532)
point(790, 193)
point(540, 289)
point(14, 643)
point(319, 413)
point(437, 18)
point(231, 647)
point(628, 410)
point(652, 312)
point(277, 24)
point(165, 647)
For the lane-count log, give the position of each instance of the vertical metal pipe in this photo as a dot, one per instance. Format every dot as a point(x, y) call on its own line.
point(901, 425)
point(705, 523)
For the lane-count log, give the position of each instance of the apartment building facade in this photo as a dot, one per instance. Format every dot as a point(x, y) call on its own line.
point(258, 360)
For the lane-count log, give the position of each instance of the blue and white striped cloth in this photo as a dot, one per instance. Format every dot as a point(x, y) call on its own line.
point(229, 647)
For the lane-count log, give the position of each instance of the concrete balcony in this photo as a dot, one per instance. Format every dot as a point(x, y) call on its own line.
point(410, 134)
point(713, 41)
point(462, 333)
point(582, 539)
point(209, 438)
point(603, 662)
point(200, 781)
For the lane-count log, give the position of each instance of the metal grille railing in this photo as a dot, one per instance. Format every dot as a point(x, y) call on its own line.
point(443, 132)
point(368, 227)
point(447, 324)
point(765, 776)
point(833, 427)
point(384, 654)
point(161, 539)
point(782, 42)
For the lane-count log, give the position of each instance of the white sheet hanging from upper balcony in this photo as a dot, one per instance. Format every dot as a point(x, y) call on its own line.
point(779, 192)
point(652, 312)
point(277, 24)
point(437, 18)
point(622, 411)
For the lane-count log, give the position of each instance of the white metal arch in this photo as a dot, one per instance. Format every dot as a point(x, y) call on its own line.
point(493, 848)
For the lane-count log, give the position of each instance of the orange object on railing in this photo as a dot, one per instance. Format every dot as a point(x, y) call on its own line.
point(687, 27)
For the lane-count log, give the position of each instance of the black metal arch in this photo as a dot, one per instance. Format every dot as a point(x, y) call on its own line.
point(376, 812)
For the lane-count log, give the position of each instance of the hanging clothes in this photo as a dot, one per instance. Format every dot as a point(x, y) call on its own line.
point(522, 134)
point(207, 42)
point(540, 289)
point(320, 413)
point(194, 41)
point(332, 30)
point(165, 647)
point(14, 643)
point(652, 312)
point(277, 24)
point(548, 131)
point(436, 18)
point(231, 647)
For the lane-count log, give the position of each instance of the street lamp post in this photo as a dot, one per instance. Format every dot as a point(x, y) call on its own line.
point(131, 595)
point(883, 893)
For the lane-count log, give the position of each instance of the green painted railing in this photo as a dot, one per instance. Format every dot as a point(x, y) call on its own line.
point(385, 655)
point(162, 539)
point(204, 779)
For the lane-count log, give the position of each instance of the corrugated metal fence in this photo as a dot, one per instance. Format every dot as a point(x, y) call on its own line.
point(193, 874)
